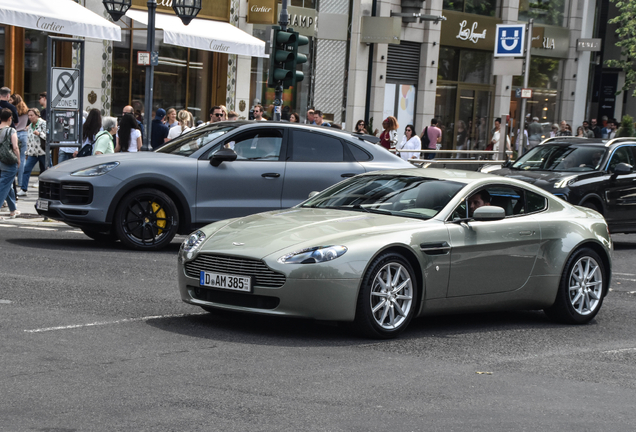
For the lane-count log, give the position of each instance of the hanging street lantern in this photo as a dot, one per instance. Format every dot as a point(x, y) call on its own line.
point(187, 10)
point(117, 8)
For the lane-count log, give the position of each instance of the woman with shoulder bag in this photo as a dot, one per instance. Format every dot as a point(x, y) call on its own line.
point(9, 160)
point(91, 128)
point(21, 128)
point(388, 137)
point(35, 152)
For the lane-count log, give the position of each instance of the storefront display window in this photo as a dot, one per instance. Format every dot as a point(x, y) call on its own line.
point(475, 67)
point(2, 61)
point(34, 66)
point(182, 78)
point(479, 7)
point(542, 11)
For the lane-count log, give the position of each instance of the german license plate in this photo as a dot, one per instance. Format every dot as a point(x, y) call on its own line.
point(226, 281)
point(42, 205)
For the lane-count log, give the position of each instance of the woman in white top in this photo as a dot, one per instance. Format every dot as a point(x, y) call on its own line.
point(128, 136)
point(171, 118)
point(185, 124)
point(410, 141)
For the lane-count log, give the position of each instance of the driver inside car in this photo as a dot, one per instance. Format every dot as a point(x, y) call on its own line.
point(476, 200)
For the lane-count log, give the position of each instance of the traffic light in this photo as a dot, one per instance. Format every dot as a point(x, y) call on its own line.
point(299, 58)
point(282, 64)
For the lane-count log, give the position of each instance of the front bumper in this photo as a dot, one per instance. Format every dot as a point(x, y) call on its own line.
point(322, 299)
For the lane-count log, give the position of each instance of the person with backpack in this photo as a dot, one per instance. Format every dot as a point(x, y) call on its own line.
point(9, 160)
point(91, 128)
point(35, 154)
point(431, 136)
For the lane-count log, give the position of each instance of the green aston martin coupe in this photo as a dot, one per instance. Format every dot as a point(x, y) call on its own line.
point(382, 248)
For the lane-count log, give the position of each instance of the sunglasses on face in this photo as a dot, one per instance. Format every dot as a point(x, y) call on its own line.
point(218, 114)
point(408, 130)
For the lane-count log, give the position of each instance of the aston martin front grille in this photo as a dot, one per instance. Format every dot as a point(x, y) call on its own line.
point(262, 275)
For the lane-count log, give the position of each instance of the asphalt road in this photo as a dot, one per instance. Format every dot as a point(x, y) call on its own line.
point(96, 338)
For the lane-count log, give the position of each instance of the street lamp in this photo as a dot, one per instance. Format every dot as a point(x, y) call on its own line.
point(117, 8)
point(186, 10)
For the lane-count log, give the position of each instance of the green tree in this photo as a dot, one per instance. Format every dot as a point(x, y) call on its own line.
point(626, 32)
point(627, 127)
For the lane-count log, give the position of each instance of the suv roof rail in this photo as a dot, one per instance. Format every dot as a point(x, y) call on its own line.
point(615, 140)
point(557, 138)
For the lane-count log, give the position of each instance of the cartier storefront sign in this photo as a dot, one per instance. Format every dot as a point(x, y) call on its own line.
point(262, 12)
point(469, 31)
point(216, 10)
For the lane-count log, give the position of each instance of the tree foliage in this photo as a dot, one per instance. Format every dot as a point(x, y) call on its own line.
point(626, 32)
point(627, 127)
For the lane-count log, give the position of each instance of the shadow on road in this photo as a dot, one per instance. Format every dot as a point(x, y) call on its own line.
point(83, 242)
point(263, 330)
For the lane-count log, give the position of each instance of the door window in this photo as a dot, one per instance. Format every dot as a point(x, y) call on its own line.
point(315, 147)
point(259, 144)
point(510, 199)
point(622, 154)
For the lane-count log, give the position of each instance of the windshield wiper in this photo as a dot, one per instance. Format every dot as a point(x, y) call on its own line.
point(368, 210)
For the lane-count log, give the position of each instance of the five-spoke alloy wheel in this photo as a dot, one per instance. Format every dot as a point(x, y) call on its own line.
point(581, 290)
point(146, 219)
point(388, 297)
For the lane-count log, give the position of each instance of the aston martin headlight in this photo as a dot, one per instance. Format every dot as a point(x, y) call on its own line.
point(193, 241)
point(565, 182)
point(96, 170)
point(313, 255)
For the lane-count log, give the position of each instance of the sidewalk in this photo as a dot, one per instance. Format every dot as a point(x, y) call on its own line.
point(26, 205)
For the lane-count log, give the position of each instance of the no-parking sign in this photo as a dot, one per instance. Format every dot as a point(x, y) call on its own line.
point(510, 39)
point(65, 84)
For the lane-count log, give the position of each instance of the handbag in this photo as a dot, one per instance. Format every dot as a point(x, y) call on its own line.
point(87, 150)
point(7, 155)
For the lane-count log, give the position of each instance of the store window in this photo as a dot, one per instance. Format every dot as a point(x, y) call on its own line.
point(479, 7)
point(542, 11)
point(34, 66)
point(182, 79)
point(2, 59)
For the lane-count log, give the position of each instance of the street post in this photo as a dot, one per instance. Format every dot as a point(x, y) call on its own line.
point(526, 72)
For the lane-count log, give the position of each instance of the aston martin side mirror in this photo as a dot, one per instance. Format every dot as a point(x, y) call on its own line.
point(223, 155)
point(313, 194)
point(489, 213)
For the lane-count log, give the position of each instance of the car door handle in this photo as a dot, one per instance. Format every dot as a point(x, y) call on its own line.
point(437, 248)
point(526, 233)
point(345, 175)
point(270, 175)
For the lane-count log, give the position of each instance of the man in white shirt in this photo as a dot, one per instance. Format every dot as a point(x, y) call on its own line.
point(258, 113)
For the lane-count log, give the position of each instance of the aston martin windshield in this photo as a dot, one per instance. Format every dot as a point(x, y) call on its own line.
point(405, 196)
point(559, 157)
point(195, 139)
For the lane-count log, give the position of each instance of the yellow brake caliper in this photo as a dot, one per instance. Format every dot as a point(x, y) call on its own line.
point(161, 214)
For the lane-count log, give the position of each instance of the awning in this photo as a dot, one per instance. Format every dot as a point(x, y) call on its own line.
point(203, 34)
point(58, 16)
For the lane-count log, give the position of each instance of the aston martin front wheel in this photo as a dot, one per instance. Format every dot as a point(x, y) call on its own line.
point(146, 219)
point(388, 297)
point(581, 290)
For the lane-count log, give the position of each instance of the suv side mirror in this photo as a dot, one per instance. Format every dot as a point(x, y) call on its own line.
point(223, 155)
point(489, 213)
point(622, 169)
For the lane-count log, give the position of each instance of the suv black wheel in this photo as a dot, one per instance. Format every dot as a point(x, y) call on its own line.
point(146, 219)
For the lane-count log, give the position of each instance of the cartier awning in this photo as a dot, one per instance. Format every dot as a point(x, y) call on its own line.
point(60, 16)
point(204, 34)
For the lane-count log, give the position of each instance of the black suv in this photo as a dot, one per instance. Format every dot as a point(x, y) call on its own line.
point(592, 173)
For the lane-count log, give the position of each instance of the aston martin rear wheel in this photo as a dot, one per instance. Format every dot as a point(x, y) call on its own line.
point(388, 297)
point(146, 219)
point(581, 290)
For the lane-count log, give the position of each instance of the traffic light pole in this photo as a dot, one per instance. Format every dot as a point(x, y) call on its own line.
point(283, 20)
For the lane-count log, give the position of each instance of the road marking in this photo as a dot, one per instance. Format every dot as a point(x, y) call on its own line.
point(5, 302)
point(624, 274)
point(103, 323)
point(6, 225)
point(625, 279)
point(38, 228)
point(619, 351)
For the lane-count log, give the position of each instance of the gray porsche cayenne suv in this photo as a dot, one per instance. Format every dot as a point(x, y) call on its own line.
point(214, 172)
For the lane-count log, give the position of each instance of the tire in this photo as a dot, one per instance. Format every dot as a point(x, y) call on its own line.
point(576, 302)
point(384, 310)
point(101, 237)
point(146, 219)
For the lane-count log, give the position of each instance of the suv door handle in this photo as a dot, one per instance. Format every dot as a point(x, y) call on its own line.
point(346, 175)
point(526, 233)
point(270, 175)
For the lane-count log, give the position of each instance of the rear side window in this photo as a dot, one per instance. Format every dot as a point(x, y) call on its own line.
point(358, 154)
point(535, 202)
point(315, 147)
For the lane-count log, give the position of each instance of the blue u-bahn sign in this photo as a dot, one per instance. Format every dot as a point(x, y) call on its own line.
point(510, 40)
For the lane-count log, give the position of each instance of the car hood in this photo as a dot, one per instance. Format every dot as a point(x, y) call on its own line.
point(76, 164)
point(542, 179)
point(262, 234)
